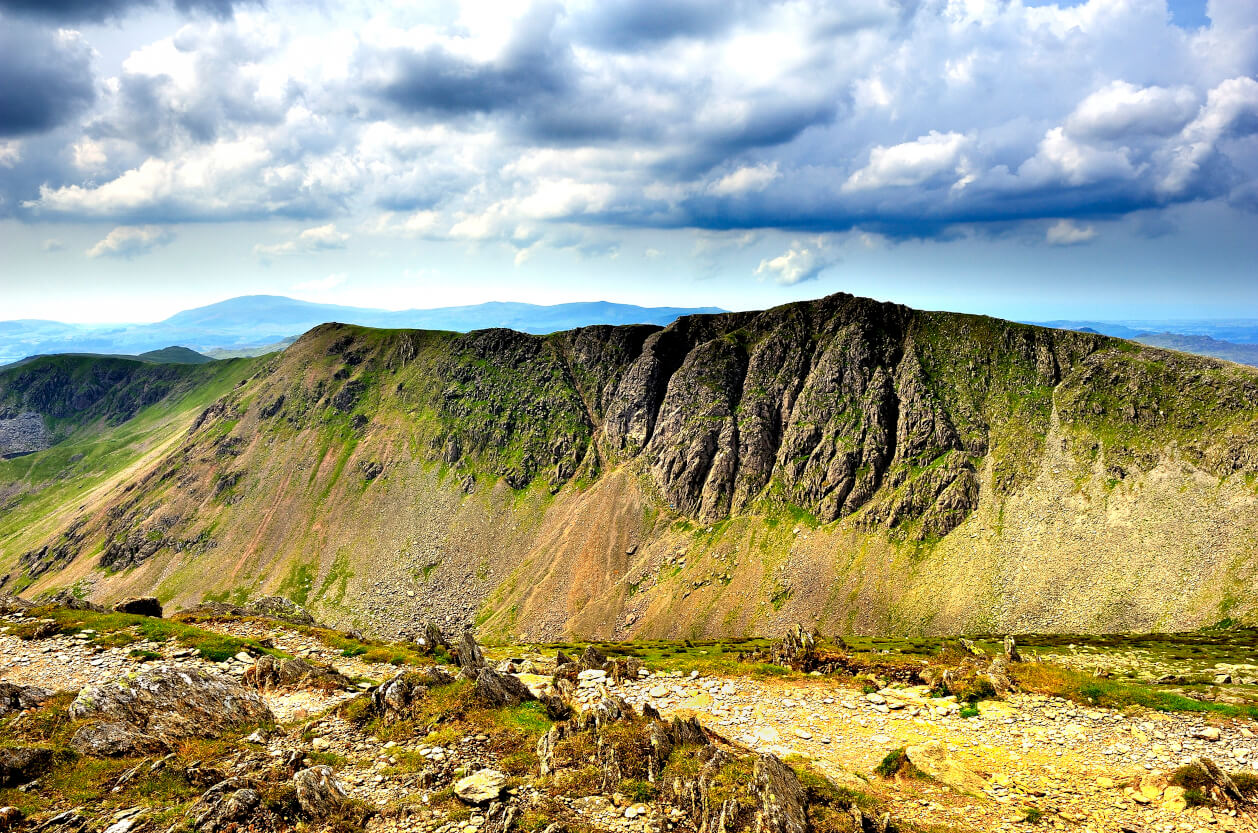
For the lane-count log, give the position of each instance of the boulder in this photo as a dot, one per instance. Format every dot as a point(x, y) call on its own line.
point(933, 759)
point(10, 818)
point(229, 805)
point(143, 606)
point(501, 689)
point(16, 698)
point(1012, 654)
point(110, 739)
point(481, 787)
point(393, 698)
point(290, 672)
point(433, 638)
point(170, 704)
point(318, 792)
point(23, 764)
point(471, 657)
point(592, 658)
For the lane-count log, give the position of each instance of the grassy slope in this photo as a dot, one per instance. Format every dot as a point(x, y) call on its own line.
point(1076, 481)
point(44, 490)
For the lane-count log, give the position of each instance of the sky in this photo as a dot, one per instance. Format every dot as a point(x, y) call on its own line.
point(1028, 160)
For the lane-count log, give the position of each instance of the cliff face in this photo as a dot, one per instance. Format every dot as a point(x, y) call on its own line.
point(555, 484)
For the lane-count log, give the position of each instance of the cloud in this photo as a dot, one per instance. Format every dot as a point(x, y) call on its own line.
point(744, 180)
point(131, 241)
point(1121, 109)
point(803, 261)
point(318, 239)
point(508, 127)
point(1068, 233)
point(52, 245)
point(99, 11)
point(45, 78)
point(909, 163)
point(322, 284)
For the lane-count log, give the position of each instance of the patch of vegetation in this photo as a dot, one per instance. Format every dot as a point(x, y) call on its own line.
point(1054, 680)
point(212, 646)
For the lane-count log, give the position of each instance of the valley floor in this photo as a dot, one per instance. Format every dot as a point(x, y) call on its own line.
point(1086, 769)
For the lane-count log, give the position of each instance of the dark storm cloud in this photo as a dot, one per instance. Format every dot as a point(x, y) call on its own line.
point(45, 78)
point(434, 80)
point(99, 11)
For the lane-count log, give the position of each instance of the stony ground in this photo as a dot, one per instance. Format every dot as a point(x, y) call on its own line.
point(1092, 770)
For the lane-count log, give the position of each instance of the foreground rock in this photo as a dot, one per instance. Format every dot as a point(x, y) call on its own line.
point(318, 792)
point(22, 764)
point(481, 787)
point(16, 698)
point(131, 714)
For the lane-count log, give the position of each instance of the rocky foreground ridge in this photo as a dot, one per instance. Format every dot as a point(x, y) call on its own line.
point(171, 731)
point(858, 464)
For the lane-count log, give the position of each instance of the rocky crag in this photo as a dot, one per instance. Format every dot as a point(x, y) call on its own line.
point(860, 465)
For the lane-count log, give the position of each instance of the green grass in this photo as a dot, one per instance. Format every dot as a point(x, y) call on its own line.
point(1055, 680)
point(114, 628)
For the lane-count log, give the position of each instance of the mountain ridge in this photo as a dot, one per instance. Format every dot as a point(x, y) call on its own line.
point(862, 465)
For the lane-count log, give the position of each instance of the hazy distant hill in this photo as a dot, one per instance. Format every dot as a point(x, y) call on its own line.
point(239, 325)
point(1235, 330)
point(1203, 346)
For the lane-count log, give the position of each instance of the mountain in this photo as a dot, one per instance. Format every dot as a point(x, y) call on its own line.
point(241, 325)
point(1237, 331)
point(861, 466)
point(1203, 346)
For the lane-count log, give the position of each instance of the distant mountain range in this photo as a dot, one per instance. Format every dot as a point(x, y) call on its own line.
point(241, 326)
point(1234, 340)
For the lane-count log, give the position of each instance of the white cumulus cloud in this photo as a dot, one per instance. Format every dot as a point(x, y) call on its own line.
point(131, 241)
point(1069, 233)
point(803, 261)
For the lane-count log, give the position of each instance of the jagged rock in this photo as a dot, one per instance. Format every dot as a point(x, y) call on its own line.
point(10, 603)
point(290, 672)
point(970, 647)
point(481, 787)
point(16, 698)
point(71, 821)
point(229, 805)
point(145, 606)
point(933, 759)
point(797, 650)
point(392, 699)
point(318, 792)
point(23, 764)
point(471, 657)
point(167, 704)
point(557, 708)
point(501, 689)
point(563, 659)
point(1011, 650)
point(69, 601)
point(592, 658)
point(998, 675)
point(1217, 784)
point(433, 638)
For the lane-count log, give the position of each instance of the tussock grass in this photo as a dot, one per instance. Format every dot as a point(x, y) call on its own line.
point(1057, 681)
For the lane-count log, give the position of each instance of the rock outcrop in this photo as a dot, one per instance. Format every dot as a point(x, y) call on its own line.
point(155, 708)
